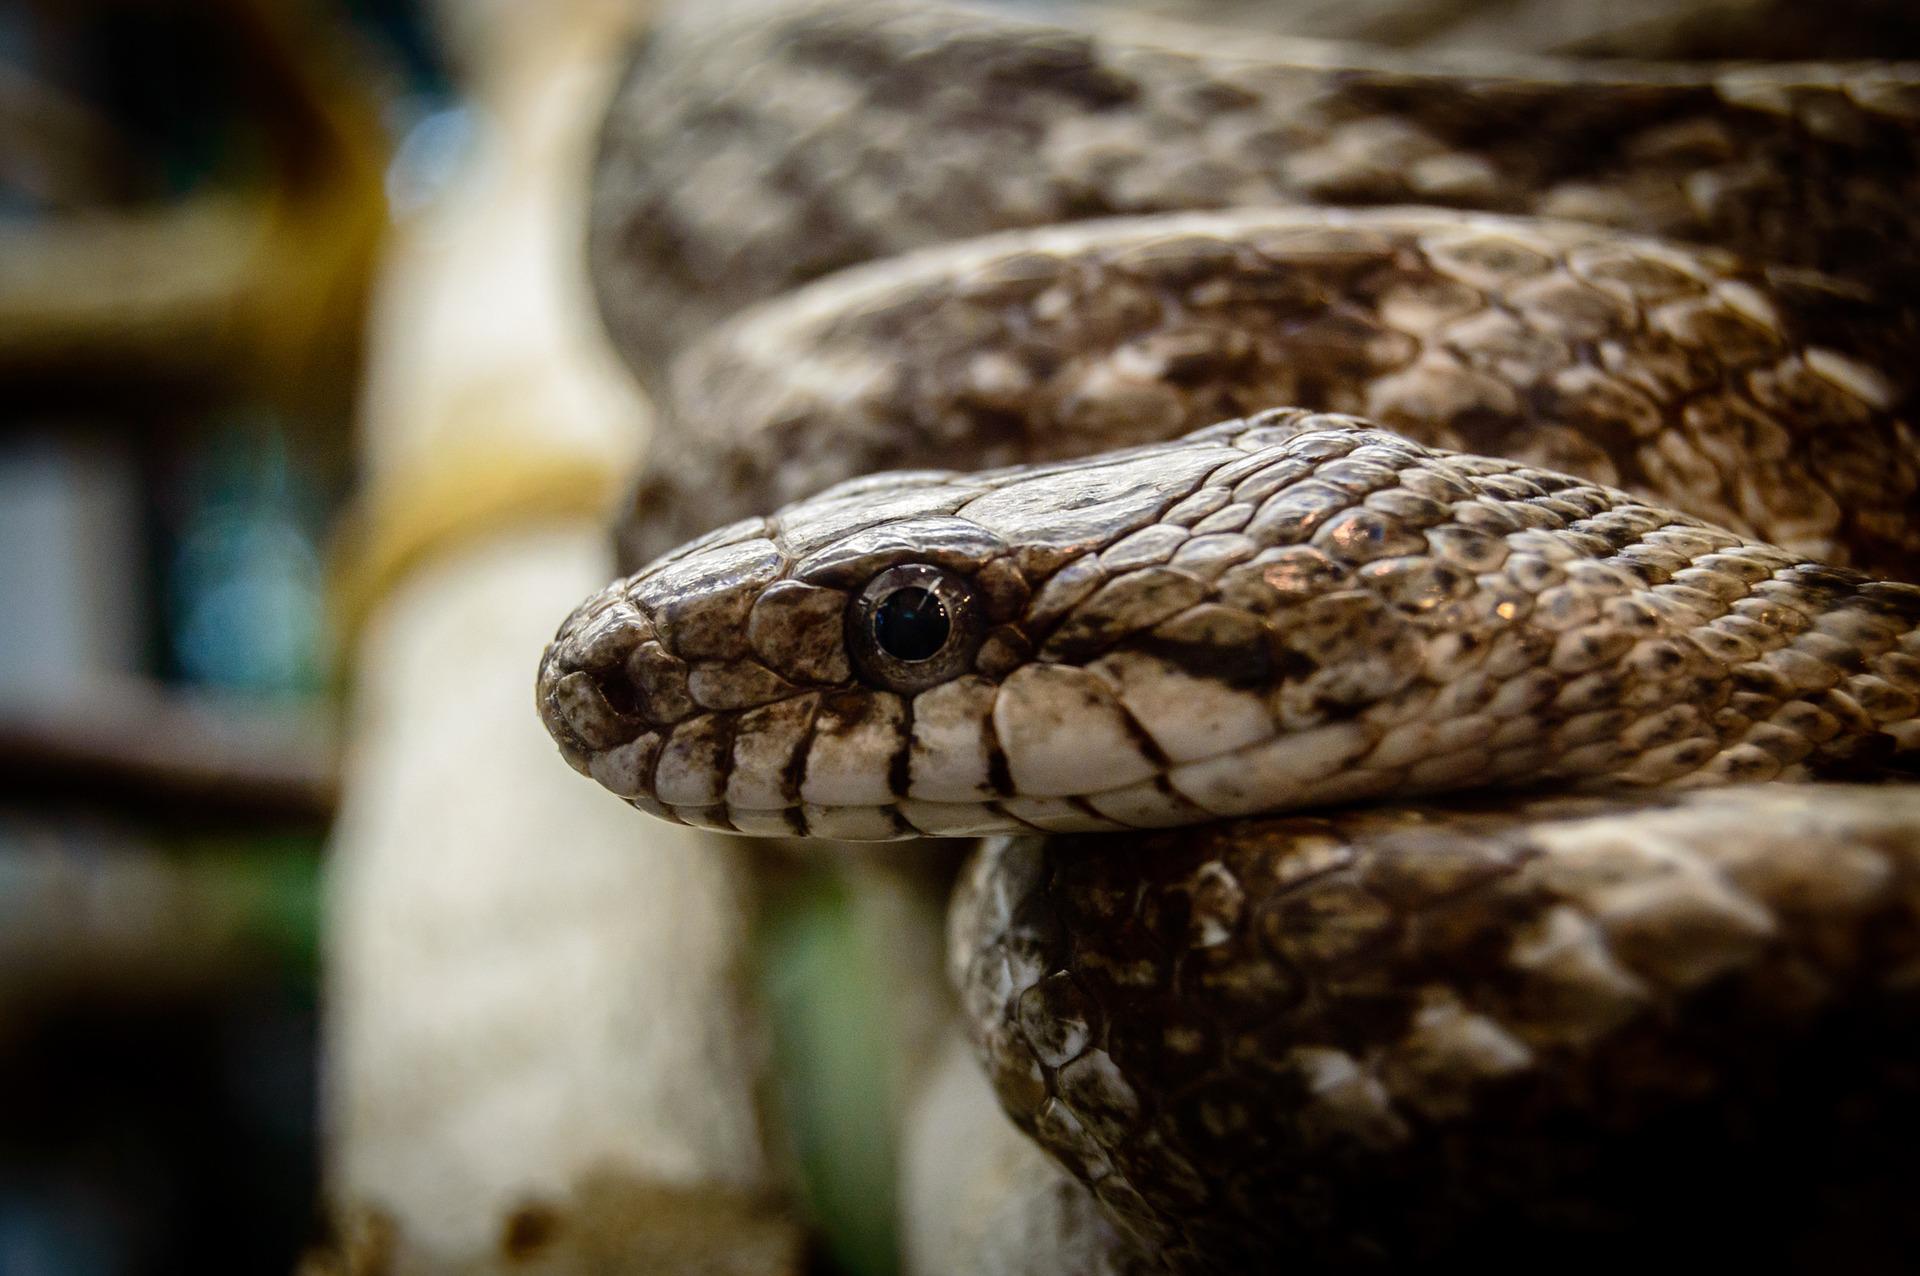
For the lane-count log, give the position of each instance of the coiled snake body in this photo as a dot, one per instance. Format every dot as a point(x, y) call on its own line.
point(1185, 547)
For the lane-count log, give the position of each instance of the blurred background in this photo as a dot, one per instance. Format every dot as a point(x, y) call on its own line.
point(192, 197)
point(312, 955)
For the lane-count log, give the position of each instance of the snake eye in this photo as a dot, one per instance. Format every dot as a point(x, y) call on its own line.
point(913, 627)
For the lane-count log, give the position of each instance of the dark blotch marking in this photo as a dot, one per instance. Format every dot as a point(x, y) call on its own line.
point(528, 1230)
point(1761, 680)
point(794, 774)
point(842, 711)
point(727, 726)
point(1285, 663)
point(1149, 748)
point(1242, 666)
point(1828, 583)
point(1666, 660)
point(899, 770)
point(999, 774)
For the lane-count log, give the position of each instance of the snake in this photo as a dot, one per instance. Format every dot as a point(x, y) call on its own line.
point(1405, 559)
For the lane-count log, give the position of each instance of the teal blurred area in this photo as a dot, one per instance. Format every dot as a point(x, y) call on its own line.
point(822, 982)
point(192, 197)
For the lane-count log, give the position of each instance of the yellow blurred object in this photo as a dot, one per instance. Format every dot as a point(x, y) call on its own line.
point(258, 291)
point(492, 398)
point(300, 311)
point(409, 520)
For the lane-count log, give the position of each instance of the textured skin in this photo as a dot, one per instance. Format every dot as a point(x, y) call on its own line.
point(757, 146)
point(1775, 403)
point(1641, 1018)
point(1554, 1034)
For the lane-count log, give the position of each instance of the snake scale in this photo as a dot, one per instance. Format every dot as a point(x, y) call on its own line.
point(1402, 554)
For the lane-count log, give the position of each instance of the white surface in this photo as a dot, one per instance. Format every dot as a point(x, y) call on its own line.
point(527, 981)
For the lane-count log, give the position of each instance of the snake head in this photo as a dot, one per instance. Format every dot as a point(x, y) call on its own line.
point(902, 654)
point(918, 653)
point(762, 679)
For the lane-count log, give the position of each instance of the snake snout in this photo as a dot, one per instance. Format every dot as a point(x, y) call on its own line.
point(599, 691)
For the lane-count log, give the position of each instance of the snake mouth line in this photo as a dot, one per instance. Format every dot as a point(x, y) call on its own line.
point(1316, 770)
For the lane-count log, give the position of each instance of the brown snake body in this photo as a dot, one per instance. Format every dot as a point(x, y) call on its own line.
point(1635, 479)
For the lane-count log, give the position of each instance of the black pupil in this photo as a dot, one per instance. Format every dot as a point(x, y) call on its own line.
point(911, 625)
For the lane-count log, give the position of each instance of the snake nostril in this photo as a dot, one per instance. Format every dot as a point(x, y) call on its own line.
point(577, 710)
point(621, 696)
point(587, 696)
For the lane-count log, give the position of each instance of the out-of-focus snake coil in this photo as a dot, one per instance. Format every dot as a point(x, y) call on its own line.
point(1437, 672)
